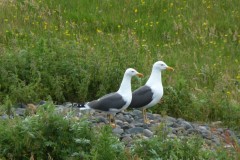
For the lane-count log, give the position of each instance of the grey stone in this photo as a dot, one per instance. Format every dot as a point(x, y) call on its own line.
point(135, 130)
point(206, 134)
point(126, 126)
point(129, 119)
point(101, 119)
point(118, 131)
point(169, 123)
point(180, 120)
point(216, 140)
point(5, 116)
point(67, 104)
point(150, 116)
point(20, 111)
point(175, 125)
point(137, 113)
point(157, 117)
point(147, 133)
point(220, 130)
point(171, 119)
point(42, 102)
point(186, 125)
point(192, 131)
point(127, 140)
point(119, 122)
point(203, 127)
point(178, 131)
point(143, 125)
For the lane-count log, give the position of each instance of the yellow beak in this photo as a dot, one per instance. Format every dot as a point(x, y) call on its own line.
point(139, 74)
point(170, 68)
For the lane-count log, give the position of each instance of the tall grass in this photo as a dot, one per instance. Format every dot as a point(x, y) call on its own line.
point(50, 135)
point(78, 51)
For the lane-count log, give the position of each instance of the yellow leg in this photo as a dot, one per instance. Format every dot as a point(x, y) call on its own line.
point(143, 112)
point(111, 121)
point(145, 119)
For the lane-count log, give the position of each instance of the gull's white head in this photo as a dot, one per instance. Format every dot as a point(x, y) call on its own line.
point(132, 72)
point(160, 65)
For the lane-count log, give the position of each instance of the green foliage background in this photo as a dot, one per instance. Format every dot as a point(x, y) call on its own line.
point(78, 50)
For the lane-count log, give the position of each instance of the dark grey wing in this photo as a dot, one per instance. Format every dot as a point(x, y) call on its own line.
point(105, 103)
point(141, 97)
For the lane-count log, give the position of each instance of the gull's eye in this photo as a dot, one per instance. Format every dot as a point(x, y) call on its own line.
point(162, 64)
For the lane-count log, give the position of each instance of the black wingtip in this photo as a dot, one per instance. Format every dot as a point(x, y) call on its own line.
point(79, 105)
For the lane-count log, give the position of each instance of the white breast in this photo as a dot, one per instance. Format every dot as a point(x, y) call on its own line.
point(157, 95)
point(127, 98)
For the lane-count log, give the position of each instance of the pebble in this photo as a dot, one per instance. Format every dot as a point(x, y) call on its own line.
point(118, 131)
point(130, 125)
point(147, 133)
point(135, 130)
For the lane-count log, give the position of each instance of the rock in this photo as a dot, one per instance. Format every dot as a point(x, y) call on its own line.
point(119, 122)
point(178, 131)
point(67, 104)
point(128, 118)
point(20, 111)
point(216, 140)
point(192, 131)
point(130, 124)
point(205, 133)
point(157, 117)
point(169, 123)
point(42, 102)
point(101, 119)
point(126, 126)
point(136, 113)
point(120, 116)
point(180, 120)
point(127, 140)
point(150, 116)
point(147, 133)
point(135, 130)
point(143, 125)
point(118, 131)
point(171, 119)
point(186, 125)
point(220, 130)
point(174, 125)
point(5, 116)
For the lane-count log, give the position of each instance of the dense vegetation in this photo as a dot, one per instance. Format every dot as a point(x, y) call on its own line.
point(78, 50)
point(48, 135)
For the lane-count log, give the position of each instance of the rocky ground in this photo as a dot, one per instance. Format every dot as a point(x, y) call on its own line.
point(129, 125)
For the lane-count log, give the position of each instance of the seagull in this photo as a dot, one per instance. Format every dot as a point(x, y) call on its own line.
point(117, 101)
point(151, 93)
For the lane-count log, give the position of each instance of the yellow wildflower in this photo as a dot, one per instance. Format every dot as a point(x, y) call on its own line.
point(99, 31)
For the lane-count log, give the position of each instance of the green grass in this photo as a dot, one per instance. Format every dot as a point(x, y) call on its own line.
point(79, 50)
point(50, 135)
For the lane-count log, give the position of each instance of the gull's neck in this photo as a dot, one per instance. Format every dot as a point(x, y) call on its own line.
point(125, 87)
point(155, 78)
